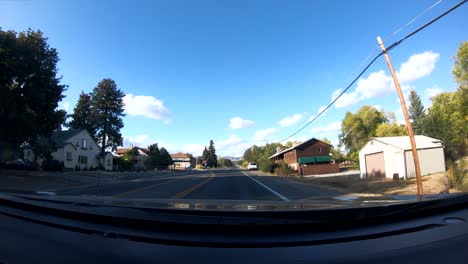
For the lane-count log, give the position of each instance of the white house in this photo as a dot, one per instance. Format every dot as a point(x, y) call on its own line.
point(181, 161)
point(392, 156)
point(76, 149)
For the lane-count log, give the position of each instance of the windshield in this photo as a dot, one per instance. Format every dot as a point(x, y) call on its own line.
point(234, 105)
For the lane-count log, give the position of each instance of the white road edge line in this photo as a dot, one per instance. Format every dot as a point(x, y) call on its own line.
point(282, 197)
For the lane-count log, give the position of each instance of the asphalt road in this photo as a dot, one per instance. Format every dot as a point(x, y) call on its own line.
point(206, 185)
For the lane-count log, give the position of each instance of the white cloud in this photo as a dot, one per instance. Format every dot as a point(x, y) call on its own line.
point(347, 99)
point(331, 127)
point(142, 140)
point(321, 109)
point(64, 106)
point(378, 83)
point(290, 120)
point(237, 122)
point(194, 149)
point(231, 141)
point(431, 92)
point(147, 106)
point(378, 107)
point(417, 66)
point(264, 134)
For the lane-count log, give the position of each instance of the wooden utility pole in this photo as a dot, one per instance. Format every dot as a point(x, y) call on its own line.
point(408, 122)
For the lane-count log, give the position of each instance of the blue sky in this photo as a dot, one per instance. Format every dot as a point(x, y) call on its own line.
point(241, 72)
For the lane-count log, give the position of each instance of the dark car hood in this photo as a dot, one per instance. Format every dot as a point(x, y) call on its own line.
point(335, 202)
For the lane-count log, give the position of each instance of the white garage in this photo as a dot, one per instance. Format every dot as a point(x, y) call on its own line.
point(389, 156)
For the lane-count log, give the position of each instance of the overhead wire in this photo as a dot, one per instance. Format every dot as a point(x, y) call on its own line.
point(377, 46)
point(392, 46)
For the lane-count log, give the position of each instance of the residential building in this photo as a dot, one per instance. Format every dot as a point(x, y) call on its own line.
point(137, 156)
point(392, 157)
point(307, 158)
point(181, 161)
point(76, 149)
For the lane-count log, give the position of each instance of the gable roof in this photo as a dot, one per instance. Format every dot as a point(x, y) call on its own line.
point(121, 151)
point(180, 155)
point(403, 142)
point(59, 138)
point(305, 143)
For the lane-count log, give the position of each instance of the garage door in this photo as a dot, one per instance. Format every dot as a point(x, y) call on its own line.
point(375, 165)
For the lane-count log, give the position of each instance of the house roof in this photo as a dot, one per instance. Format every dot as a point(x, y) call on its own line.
point(297, 146)
point(179, 155)
point(60, 137)
point(403, 142)
point(122, 151)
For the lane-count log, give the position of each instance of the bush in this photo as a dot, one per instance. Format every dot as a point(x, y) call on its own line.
point(282, 169)
point(457, 175)
point(52, 165)
point(266, 166)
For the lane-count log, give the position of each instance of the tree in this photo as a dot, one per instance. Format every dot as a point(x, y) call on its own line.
point(154, 157)
point(358, 128)
point(447, 120)
point(416, 112)
point(166, 158)
point(223, 162)
point(205, 155)
point(447, 117)
point(212, 159)
point(337, 156)
point(391, 130)
point(83, 116)
point(29, 90)
point(108, 110)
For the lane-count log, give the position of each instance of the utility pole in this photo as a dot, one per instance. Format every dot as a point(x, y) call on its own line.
point(408, 122)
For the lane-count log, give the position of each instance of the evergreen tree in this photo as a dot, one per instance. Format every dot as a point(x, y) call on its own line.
point(108, 110)
point(205, 155)
point(154, 159)
point(82, 117)
point(416, 112)
point(212, 160)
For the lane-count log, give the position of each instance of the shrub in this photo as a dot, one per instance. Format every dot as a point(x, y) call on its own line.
point(282, 169)
point(52, 165)
point(266, 166)
point(457, 175)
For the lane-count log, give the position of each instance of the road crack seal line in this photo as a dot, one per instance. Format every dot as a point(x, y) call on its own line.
point(193, 188)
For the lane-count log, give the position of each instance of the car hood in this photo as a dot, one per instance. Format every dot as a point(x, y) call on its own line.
point(342, 201)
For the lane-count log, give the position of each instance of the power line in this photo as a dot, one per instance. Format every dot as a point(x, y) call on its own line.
point(377, 48)
point(372, 62)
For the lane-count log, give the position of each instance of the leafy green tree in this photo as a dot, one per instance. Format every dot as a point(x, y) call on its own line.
point(416, 112)
point(223, 162)
point(460, 69)
point(30, 90)
point(83, 115)
point(391, 130)
point(337, 156)
point(166, 158)
point(289, 144)
point(154, 159)
point(108, 110)
point(447, 120)
point(358, 128)
point(212, 159)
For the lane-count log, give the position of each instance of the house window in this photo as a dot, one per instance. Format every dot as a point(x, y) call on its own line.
point(83, 159)
point(69, 156)
point(319, 150)
point(84, 143)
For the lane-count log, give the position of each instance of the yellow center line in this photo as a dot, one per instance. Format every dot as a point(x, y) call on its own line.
point(120, 195)
point(194, 187)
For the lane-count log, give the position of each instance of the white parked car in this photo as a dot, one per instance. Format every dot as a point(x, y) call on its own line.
point(252, 166)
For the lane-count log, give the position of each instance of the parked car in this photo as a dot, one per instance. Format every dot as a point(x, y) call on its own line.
point(19, 164)
point(252, 166)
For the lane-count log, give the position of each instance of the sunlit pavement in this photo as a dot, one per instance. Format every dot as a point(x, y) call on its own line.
point(206, 185)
